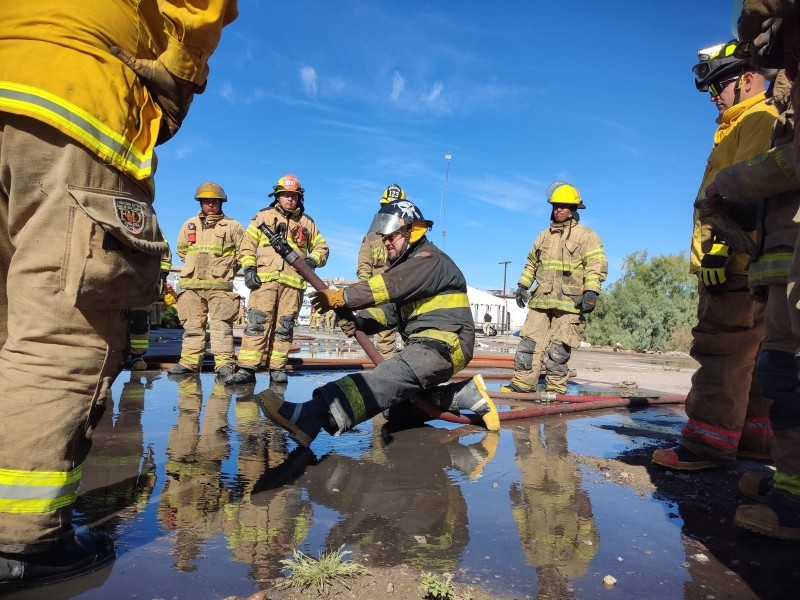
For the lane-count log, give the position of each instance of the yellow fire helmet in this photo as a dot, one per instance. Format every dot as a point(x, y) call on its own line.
point(560, 192)
point(210, 190)
point(391, 193)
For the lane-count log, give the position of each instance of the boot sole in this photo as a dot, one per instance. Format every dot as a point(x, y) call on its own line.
point(271, 404)
point(775, 531)
point(491, 419)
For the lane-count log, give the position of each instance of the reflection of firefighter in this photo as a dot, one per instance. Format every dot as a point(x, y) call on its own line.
point(261, 533)
point(552, 511)
point(119, 474)
point(193, 493)
point(384, 523)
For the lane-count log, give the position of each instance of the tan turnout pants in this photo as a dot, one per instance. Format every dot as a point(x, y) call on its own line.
point(65, 285)
point(220, 309)
point(272, 312)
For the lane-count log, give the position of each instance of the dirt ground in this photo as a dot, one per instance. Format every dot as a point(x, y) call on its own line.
point(670, 373)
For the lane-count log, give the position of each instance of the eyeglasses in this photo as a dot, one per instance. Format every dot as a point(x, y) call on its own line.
point(716, 88)
point(390, 237)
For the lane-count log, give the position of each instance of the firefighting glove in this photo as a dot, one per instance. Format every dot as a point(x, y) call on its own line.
point(279, 244)
point(348, 326)
point(312, 264)
point(251, 279)
point(712, 269)
point(172, 94)
point(329, 299)
point(162, 284)
point(588, 302)
point(522, 295)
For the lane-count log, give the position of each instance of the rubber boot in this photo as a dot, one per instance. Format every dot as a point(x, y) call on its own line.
point(224, 372)
point(179, 369)
point(86, 552)
point(679, 458)
point(778, 517)
point(472, 459)
point(278, 376)
point(755, 485)
point(138, 363)
point(302, 421)
point(469, 395)
point(243, 375)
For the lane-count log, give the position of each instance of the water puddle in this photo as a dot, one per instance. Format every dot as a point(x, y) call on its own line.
point(204, 497)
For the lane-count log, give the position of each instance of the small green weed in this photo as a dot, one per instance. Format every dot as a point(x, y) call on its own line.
point(320, 573)
point(441, 588)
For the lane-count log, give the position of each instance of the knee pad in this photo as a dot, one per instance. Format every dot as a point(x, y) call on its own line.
point(557, 356)
point(255, 322)
point(284, 329)
point(139, 321)
point(523, 358)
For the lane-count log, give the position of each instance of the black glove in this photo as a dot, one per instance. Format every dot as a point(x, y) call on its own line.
point(312, 264)
point(712, 269)
point(522, 295)
point(588, 302)
point(279, 244)
point(251, 279)
point(162, 284)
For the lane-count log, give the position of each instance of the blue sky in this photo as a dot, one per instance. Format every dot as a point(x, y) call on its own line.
point(352, 95)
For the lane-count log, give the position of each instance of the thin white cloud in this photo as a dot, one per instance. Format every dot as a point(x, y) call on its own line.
point(398, 85)
point(308, 75)
point(226, 92)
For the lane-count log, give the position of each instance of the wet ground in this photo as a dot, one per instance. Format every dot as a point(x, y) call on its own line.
point(204, 498)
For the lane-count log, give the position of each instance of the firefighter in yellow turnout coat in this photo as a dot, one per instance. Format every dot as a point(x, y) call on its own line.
point(373, 260)
point(209, 246)
point(276, 289)
point(568, 263)
point(87, 90)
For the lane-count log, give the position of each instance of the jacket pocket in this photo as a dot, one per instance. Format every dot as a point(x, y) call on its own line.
point(113, 251)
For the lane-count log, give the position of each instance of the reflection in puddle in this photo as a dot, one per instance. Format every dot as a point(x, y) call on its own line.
point(205, 497)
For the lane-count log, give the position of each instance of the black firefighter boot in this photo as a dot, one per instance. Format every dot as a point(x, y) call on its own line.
point(243, 375)
point(85, 552)
point(302, 421)
point(468, 395)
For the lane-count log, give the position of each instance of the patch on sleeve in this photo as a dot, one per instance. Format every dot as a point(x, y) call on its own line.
point(423, 254)
point(131, 214)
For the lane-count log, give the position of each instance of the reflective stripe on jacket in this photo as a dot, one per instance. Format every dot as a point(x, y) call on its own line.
point(424, 295)
point(302, 235)
point(566, 260)
point(59, 70)
point(211, 259)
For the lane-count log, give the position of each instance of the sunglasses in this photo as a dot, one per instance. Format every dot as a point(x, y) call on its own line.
point(716, 88)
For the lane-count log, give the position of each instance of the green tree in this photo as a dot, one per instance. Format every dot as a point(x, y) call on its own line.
point(652, 306)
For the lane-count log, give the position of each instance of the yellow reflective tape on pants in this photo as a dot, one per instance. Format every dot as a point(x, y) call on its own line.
point(453, 343)
point(354, 398)
point(412, 309)
point(37, 491)
point(378, 288)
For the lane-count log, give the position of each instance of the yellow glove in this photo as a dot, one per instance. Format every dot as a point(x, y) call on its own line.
point(325, 300)
point(712, 268)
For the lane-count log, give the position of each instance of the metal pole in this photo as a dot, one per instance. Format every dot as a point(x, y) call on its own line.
point(505, 303)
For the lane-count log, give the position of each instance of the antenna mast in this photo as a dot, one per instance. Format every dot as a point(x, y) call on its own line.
point(443, 215)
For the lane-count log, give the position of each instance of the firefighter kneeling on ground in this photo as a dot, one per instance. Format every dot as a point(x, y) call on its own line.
point(423, 293)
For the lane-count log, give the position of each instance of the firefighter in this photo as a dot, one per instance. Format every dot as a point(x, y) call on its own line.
point(727, 411)
point(276, 289)
point(422, 293)
point(372, 260)
point(770, 33)
point(209, 246)
point(568, 263)
point(85, 96)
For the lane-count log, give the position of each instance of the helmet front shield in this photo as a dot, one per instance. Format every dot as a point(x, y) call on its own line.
point(384, 224)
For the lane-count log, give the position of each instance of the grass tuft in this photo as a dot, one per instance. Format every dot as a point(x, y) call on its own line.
point(320, 573)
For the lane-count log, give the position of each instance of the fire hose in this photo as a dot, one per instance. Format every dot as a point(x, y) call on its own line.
point(564, 403)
